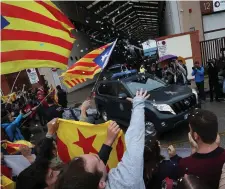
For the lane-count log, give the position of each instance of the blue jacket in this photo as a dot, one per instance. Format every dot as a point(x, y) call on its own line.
point(12, 129)
point(199, 74)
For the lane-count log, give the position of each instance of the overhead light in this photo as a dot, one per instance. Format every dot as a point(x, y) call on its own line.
point(118, 11)
point(102, 28)
point(87, 21)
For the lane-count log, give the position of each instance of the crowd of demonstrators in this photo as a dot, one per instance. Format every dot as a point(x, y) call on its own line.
point(142, 165)
point(45, 170)
point(90, 171)
point(174, 72)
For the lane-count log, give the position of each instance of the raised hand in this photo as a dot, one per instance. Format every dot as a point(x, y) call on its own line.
point(112, 133)
point(140, 94)
point(53, 126)
point(86, 105)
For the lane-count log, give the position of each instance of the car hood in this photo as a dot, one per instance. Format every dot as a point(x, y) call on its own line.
point(170, 93)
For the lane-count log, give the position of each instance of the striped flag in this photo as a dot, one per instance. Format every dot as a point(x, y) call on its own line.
point(91, 64)
point(13, 147)
point(71, 82)
point(75, 138)
point(34, 34)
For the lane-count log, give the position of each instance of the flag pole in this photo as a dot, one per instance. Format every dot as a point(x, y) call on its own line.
point(106, 62)
point(13, 86)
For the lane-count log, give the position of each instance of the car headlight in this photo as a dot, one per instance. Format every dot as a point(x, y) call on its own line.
point(164, 108)
point(196, 94)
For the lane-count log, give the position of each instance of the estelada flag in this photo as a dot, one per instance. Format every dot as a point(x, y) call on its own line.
point(13, 147)
point(75, 138)
point(89, 65)
point(34, 34)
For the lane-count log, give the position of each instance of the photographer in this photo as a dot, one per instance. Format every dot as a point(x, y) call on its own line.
point(198, 73)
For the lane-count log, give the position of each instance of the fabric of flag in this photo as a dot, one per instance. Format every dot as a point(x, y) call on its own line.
point(13, 147)
point(75, 138)
point(89, 65)
point(7, 183)
point(72, 82)
point(9, 98)
point(34, 34)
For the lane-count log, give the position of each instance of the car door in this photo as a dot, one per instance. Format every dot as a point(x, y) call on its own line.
point(125, 106)
point(108, 97)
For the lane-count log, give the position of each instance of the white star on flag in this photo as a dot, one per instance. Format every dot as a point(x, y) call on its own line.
point(104, 57)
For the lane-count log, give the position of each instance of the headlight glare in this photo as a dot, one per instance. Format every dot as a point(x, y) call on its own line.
point(164, 108)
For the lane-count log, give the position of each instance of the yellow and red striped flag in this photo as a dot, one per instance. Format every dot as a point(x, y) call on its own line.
point(75, 138)
point(91, 64)
point(34, 34)
point(13, 147)
point(71, 82)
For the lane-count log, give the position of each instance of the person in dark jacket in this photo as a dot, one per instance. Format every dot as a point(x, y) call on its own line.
point(53, 110)
point(213, 80)
point(62, 97)
point(40, 174)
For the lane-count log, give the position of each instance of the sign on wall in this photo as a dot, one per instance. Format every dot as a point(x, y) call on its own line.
point(149, 47)
point(162, 48)
point(208, 7)
point(218, 5)
point(33, 76)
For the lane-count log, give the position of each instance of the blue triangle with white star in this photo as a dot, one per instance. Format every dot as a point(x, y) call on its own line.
point(4, 22)
point(103, 57)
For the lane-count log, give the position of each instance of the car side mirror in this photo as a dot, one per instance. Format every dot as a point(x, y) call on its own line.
point(122, 96)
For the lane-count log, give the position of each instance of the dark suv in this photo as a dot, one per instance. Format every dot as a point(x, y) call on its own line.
point(167, 107)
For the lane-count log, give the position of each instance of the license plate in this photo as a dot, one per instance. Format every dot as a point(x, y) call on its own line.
point(185, 116)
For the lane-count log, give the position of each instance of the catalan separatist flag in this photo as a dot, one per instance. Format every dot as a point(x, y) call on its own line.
point(13, 147)
point(91, 64)
point(34, 34)
point(75, 138)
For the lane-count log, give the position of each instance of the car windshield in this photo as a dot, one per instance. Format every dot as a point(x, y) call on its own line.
point(148, 84)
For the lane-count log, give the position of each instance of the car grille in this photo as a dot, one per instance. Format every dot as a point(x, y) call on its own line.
point(184, 104)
